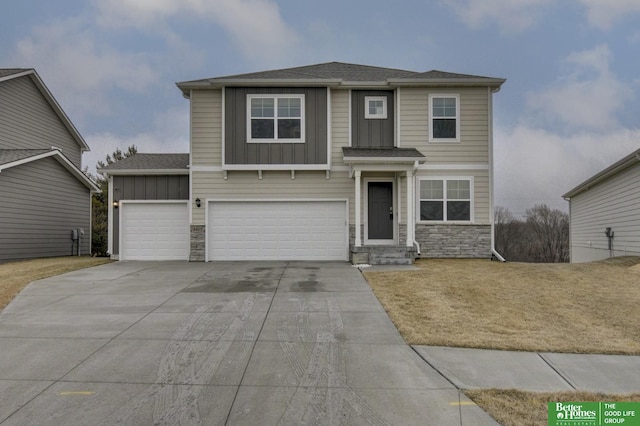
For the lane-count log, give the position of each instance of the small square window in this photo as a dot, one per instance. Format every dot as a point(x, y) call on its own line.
point(375, 107)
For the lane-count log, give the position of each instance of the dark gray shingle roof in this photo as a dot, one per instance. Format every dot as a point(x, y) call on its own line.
point(339, 71)
point(382, 153)
point(11, 155)
point(142, 161)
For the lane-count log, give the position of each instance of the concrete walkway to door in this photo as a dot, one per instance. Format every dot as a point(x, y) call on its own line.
point(235, 343)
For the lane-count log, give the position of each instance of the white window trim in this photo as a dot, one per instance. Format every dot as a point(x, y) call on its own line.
point(368, 115)
point(431, 118)
point(444, 188)
point(275, 118)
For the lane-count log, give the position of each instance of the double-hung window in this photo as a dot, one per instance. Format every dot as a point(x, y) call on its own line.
point(445, 118)
point(446, 200)
point(275, 118)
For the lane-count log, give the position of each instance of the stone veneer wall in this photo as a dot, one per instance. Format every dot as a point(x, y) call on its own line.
point(454, 241)
point(197, 248)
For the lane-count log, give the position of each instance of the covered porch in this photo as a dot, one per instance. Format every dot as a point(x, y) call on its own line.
point(384, 226)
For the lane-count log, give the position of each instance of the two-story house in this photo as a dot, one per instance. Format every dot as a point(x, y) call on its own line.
point(339, 161)
point(45, 199)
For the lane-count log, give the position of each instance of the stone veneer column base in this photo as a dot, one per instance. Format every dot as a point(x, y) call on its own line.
point(197, 246)
point(454, 241)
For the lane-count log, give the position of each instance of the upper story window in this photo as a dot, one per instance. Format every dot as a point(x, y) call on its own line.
point(375, 107)
point(446, 200)
point(275, 118)
point(445, 118)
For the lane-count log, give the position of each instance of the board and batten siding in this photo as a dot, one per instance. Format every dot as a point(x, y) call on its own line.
point(40, 203)
point(367, 132)
point(312, 151)
point(27, 121)
point(613, 203)
point(474, 125)
point(161, 187)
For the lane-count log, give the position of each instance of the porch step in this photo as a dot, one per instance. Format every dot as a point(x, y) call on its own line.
point(383, 255)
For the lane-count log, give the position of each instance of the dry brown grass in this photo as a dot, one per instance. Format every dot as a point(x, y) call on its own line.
point(518, 408)
point(575, 308)
point(14, 276)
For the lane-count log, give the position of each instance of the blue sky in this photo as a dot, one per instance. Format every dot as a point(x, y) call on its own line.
point(570, 107)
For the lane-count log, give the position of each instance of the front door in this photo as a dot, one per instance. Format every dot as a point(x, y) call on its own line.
point(380, 211)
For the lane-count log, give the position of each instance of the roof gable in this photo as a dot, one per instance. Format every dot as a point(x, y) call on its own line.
point(7, 74)
point(16, 157)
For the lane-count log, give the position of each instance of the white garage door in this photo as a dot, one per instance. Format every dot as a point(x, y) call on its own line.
point(277, 230)
point(154, 231)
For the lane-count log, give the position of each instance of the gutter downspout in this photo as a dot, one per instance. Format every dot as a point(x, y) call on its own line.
point(412, 210)
point(494, 252)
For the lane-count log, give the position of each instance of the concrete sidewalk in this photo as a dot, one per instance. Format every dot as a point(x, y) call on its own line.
point(234, 343)
point(484, 369)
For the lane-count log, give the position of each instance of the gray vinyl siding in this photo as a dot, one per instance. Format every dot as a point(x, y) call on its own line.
point(377, 133)
point(40, 203)
point(27, 121)
point(312, 151)
point(171, 187)
point(613, 203)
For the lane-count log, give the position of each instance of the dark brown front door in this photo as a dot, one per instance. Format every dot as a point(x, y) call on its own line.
point(380, 210)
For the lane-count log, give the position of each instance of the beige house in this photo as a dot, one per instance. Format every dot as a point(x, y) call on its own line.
point(339, 161)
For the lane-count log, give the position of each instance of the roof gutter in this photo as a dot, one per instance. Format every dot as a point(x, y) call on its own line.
point(625, 163)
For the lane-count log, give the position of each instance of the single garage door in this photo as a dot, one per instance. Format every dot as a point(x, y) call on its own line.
point(277, 230)
point(154, 231)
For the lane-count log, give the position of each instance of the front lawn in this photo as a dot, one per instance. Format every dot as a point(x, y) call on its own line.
point(574, 308)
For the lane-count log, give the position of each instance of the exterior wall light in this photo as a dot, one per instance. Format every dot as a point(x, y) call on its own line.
point(198, 202)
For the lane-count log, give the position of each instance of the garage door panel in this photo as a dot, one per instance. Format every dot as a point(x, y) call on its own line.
point(154, 231)
point(283, 230)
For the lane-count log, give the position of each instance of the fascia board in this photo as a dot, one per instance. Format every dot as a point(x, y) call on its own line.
point(621, 165)
point(62, 160)
point(139, 172)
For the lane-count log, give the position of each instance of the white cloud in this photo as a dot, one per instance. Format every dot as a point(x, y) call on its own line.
point(511, 16)
point(534, 166)
point(80, 69)
point(588, 97)
point(603, 13)
point(255, 26)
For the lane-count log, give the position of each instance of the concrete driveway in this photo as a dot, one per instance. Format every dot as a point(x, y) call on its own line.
point(237, 343)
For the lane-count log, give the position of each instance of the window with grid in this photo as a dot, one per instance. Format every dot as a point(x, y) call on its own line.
point(275, 118)
point(445, 200)
point(375, 107)
point(445, 118)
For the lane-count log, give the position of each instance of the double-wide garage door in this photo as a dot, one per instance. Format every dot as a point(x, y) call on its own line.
point(277, 230)
point(154, 231)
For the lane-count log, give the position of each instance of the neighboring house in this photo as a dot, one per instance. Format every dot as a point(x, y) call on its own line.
point(45, 199)
point(148, 214)
point(339, 161)
point(604, 213)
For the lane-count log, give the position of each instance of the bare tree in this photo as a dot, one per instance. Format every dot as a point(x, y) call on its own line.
point(550, 229)
point(543, 236)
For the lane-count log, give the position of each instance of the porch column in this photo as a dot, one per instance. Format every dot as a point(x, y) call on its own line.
point(358, 175)
point(410, 210)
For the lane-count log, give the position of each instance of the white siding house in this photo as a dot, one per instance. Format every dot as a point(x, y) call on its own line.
point(605, 213)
